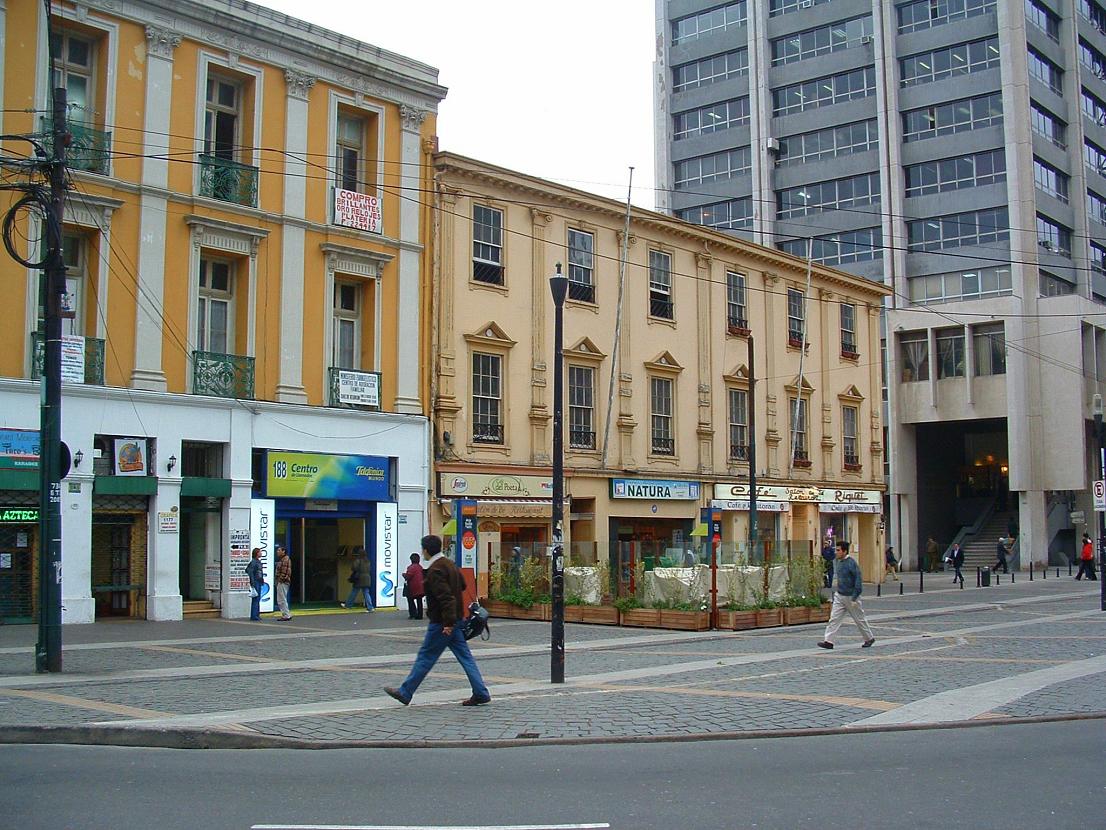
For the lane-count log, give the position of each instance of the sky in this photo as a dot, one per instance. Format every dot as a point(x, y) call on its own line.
point(562, 91)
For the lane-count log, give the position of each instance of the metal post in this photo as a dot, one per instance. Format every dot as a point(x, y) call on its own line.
point(900, 589)
point(921, 581)
point(752, 447)
point(978, 577)
point(1031, 570)
point(48, 648)
point(558, 285)
point(1098, 432)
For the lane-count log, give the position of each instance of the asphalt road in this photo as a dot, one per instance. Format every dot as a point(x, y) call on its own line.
point(1012, 776)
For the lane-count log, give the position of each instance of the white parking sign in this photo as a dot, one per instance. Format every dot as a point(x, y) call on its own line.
point(1099, 496)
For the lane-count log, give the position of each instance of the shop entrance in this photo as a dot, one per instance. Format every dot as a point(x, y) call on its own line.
point(639, 545)
point(201, 529)
point(322, 552)
point(113, 587)
point(17, 563)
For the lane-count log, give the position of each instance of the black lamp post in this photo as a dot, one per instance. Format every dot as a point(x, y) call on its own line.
point(558, 285)
point(1100, 467)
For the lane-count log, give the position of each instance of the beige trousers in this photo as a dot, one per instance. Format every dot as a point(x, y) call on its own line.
point(841, 604)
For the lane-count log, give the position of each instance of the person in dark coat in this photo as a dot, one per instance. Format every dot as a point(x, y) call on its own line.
point(361, 579)
point(828, 557)
point(445, 607)
point(255, 571)
point(892, 563)
point(956, 558)
point(413, 588)
point(1000, 551)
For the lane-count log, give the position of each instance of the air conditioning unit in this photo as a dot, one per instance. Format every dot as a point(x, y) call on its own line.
point(866, 39)
point(1045, 243)
point(773, 146)
point(806, 4)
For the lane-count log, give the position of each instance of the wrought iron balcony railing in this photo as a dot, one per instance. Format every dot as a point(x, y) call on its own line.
point(581, 439)
point(738, 326)
point(222, 375)
point(663, 446)
point(487, 433)
point(93, 360)
point(661, 307)
point(739, 452)
point(584, 292)
point(90, 148)
point(228, 180)
point(353, 389)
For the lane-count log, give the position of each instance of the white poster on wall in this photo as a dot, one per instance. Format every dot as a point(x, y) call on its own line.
point(262, 528)
point(387, 554)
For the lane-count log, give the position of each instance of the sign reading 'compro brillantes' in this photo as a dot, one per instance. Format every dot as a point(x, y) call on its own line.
point(304, 475)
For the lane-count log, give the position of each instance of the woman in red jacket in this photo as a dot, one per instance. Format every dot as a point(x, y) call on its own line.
point(1086, 559)
point(413, 588)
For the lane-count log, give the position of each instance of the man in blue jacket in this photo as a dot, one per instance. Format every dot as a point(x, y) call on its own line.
point(847, 598)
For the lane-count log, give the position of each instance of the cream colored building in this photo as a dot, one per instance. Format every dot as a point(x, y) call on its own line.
point(693, 302)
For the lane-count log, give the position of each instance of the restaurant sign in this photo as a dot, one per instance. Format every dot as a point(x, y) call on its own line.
point(477, 485)
point(654, 489)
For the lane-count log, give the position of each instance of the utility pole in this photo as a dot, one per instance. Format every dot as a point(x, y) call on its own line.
point(48, 648)
point(752, 447)
point(558, 286)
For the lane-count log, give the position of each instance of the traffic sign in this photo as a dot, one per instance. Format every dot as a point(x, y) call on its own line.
point(1099, 496)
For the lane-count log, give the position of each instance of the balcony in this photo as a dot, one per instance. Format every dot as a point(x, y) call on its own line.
point(581, 439)
point(352, 389)
point(801, 459)
point(228, 181)
point(487, 433)
point(581, 291)
point(848, 350)
point(663, 446)
point(89, 149)
point(661, 307)
point(737, 326)
point(222, 375)
point(71, 359)
point(739, 452)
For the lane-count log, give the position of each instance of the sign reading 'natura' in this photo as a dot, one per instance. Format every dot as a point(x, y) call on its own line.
point(654, 489)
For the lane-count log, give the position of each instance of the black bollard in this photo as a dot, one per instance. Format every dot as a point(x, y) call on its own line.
point(1069, 569)
point(879, 588)
point(1030, 571)
point(961, 583)
point(1058, 571)
point(1012, 577)
point(900, 589)
point(921, 582)
point(978, 577)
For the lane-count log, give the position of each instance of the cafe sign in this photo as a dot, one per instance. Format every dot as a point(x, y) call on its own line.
point(654, 489)
point(479, 485)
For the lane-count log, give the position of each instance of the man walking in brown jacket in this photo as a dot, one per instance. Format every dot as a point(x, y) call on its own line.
point(445, 607)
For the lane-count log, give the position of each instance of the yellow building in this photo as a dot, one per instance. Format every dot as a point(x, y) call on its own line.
point(693, 303)
point(245, 266)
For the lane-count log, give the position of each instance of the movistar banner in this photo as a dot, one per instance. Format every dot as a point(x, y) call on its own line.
point(304, 475)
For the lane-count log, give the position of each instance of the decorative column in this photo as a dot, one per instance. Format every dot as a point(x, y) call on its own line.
point(153, 211)
point(705, 429)
point(626, 423)
point(290, 385)
point(540, 273)
point(770, 348)
point(163, 597)
point(829, 346)
point(410, 262)
point(445, 403)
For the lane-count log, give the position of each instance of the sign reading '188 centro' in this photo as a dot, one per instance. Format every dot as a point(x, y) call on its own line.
point(303, 475)
point(654, 489)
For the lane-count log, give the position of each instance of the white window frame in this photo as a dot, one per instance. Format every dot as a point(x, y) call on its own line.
point(210, 62)
point(850, 425)
point(494, 397)
point(850, 346)
point(737, 312)
point(581, 405)
point(372, 177)
point(76, 276)
point(737, 410)
point(660, 283)
point(581, 273)
point(662, 415)
point(207, 295)
point(341, 316)
point(493, 246)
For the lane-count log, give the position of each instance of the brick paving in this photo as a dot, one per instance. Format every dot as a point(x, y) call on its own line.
point(319, 677)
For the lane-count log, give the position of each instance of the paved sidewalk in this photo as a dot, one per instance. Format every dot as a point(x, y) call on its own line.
point(1013, 651)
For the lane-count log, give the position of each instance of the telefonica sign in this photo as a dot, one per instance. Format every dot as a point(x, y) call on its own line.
point(654, 489)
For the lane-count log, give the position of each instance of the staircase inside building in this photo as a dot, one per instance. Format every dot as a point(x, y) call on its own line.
point(979, 552)
point(200, 609)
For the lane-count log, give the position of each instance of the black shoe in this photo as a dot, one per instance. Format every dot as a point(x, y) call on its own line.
point(395, 693)
point(868, 643)
point(476, 701)
point(825, 644)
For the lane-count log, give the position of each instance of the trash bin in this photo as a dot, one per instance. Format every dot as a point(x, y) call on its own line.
point(985, 577)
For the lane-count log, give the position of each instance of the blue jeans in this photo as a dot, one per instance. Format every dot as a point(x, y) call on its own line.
point(433, 644)
point(365, 592)
point(255, 606)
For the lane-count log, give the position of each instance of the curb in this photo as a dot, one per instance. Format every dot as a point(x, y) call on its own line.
point(147, 737)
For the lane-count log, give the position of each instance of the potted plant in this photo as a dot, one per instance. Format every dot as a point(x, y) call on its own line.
point(632, 613)
point(601, 613)
point(735, 617)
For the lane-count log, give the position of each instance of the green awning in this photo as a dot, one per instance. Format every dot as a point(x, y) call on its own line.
point(211, 487)
point(18, 479)
point(450, 528)
point(700, 529)
point(125, 486)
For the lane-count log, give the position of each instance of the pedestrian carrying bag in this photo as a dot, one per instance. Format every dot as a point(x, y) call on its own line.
point(476, 623)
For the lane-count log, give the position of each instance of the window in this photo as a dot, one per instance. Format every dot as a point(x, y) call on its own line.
point(854, 191)
point(975, 170)
point(660, 285)
point(739, 424)
point(714, 20)
point(828, 143)
point(1045, 71)
point(838, 248)
point(778, 7)
point(1052, 236)
point(989, 344)
point(1094, 13)
point(953, 117)
point(581, 407)
point(821, 41)
point(922, 14)
point(795, 316)
point(821, 92)
point(711, 118)
point(213, 328)
point(848, 330)
point(487, 398)
point(950, 353)
point(1053, 286)
point(660, 406)
point(1092, 59)
point(74, 251)
point(938, 64)
point(487, 245)
point(581, 282)
point(736, 214)
point(914, 349)
point(737, 320)
point(221, 118)
point(73, 70)
point(974, 284)
point(1043, 18)
point(849, 420)
point(1096, 207)
point(1098, 259)
point(347, 325)
point(1093, 107)
point(797, 412)
point(716, 167)
point(350, 153)
point(707, 71)
point(1047, 125)
point(955, 230)
point(1050, 180)
point(1094, 157)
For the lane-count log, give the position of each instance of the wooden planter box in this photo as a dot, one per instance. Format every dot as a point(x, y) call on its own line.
point(769, 617)
point(534, 612)
point(685, 620)
point(593, 614)
point(735, 620)
point(498, 608)
point(821, 613)
point(641, 618)
point(796, 616)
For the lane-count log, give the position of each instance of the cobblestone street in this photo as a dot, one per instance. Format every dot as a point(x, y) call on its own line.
point(1029, 649)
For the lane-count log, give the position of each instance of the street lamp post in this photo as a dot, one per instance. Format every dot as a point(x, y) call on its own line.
point(558, 285)
point(1101, 517)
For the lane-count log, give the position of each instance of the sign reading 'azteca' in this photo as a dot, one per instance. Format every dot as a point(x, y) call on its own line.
point(654, 489)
